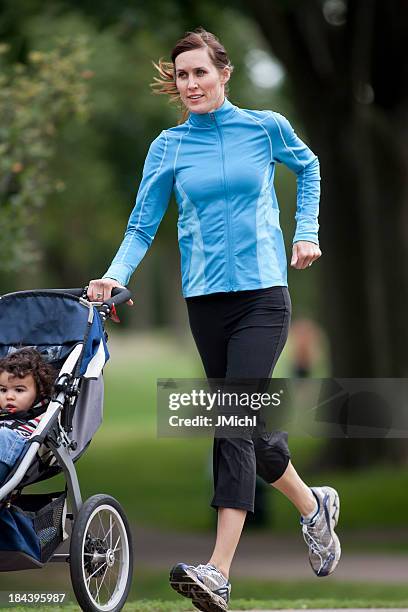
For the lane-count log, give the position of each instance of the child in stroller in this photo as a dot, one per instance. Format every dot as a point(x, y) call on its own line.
point(25, 389)
point(35, 528)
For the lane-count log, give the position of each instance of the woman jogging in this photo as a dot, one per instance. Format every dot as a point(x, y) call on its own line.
point(220, 163)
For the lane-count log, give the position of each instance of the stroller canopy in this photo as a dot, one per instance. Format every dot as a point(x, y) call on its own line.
point(53, 323)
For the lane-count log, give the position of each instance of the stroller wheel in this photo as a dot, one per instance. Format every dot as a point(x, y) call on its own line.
point(101, 556)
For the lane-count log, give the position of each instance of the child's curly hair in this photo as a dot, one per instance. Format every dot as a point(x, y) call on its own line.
point(29, 361)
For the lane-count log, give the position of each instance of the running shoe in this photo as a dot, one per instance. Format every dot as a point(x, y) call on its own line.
point(324, 545)
point(208, 589)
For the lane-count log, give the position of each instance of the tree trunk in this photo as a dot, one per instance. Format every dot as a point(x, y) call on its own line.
point(350, 88)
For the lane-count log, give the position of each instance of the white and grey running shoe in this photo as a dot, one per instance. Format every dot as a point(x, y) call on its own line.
point(324, 545)
point(208, 589)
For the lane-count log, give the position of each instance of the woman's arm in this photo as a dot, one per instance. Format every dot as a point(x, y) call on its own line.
point(151, 203)
point(289, 149)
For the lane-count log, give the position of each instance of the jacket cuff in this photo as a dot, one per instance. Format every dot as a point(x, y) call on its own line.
point(307, 237)
point(118, 273)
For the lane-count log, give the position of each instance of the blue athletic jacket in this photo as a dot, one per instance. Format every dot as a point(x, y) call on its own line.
point(221, 168)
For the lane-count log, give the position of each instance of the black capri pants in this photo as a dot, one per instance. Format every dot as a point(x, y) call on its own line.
point(241, 335)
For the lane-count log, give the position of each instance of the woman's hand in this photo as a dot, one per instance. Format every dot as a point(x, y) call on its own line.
point(304, 253)
point(99, 290)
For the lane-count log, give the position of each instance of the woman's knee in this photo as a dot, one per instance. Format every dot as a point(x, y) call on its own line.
point(272, 459)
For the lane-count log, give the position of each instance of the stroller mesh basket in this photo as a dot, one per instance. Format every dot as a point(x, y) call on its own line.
point(31, 530)
point(47, 519)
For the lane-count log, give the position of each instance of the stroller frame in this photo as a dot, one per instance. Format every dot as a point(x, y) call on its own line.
point(86, 561)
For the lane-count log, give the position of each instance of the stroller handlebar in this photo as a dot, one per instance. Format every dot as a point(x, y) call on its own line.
point(120, 295)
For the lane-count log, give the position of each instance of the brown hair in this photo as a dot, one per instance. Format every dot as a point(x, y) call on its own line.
point(165, 83)
point(29, 361)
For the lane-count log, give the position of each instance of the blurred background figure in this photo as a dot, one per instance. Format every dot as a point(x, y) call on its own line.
point(305, 342)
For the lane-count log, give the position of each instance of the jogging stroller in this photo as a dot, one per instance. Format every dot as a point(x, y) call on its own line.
point(68, 331)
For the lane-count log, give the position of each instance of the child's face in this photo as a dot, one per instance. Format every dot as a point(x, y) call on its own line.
point(17, 394)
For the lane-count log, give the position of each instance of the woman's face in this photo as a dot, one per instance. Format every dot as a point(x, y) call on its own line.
point(199, 82)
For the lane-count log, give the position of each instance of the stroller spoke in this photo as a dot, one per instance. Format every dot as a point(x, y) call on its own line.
point(108, 586)
point(97, 592)
point(109, 532)
point(102, 580)
point(103, 529)
point(98, 569)
point(116, 543)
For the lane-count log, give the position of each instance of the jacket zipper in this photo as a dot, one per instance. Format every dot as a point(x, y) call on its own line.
point(227, 209)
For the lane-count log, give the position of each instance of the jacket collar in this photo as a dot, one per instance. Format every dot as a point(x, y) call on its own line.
point(224, 112)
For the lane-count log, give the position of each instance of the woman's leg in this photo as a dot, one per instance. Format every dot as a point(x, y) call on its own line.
point(257, 327)
point(293, 487)
point(208, 326)
point(253, 350)
point(229, 528)
point(253, 353)
point(208, 584)
point(319, 508)
point(238, 337)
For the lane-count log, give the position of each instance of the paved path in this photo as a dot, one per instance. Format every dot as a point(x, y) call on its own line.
point(268, 556)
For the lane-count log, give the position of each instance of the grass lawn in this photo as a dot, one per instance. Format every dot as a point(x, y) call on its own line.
point(150, 476)
point(253, 604)
point(151, 585)
point(153, 495)
point(269, 596)
point(166, 483)
point(151, 593)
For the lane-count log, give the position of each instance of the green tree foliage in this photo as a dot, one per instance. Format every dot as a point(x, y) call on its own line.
point(100, 162)
point(35, 99)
